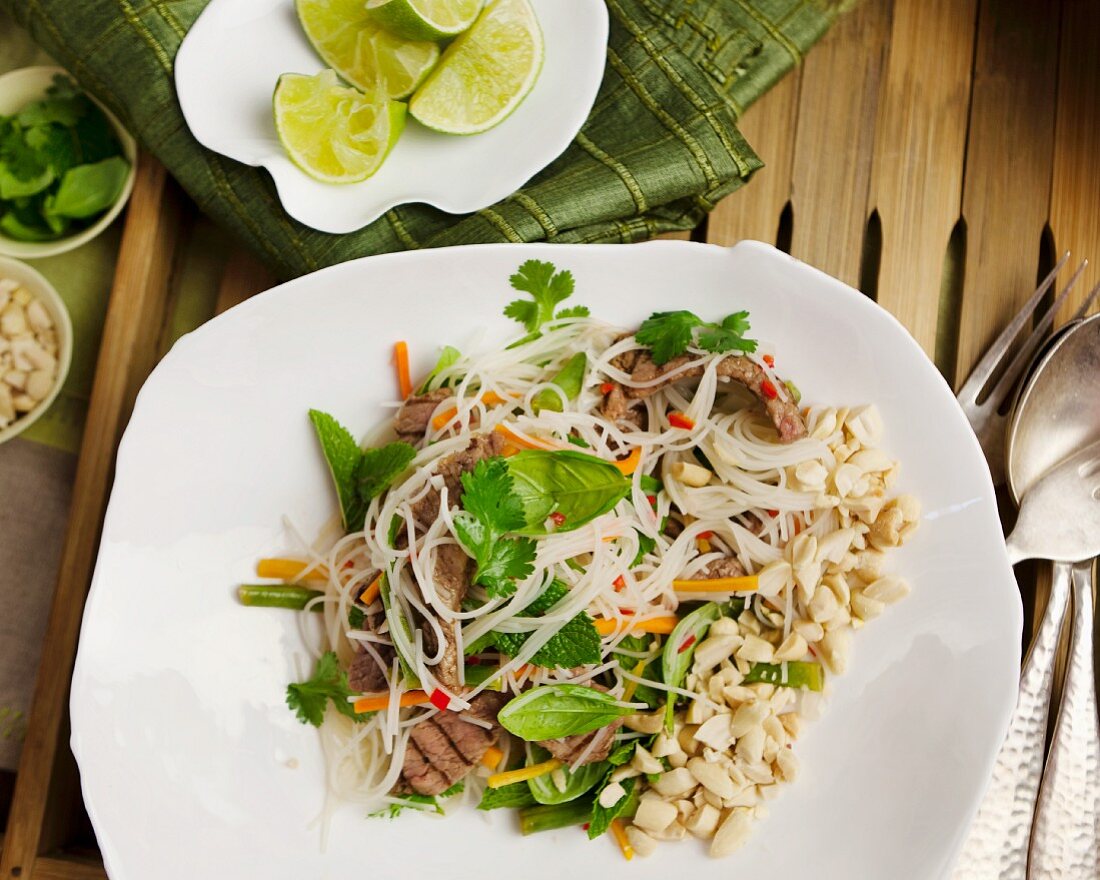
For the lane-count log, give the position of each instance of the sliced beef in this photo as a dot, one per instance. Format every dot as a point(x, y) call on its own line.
point(444, 748)
point(570, 748)
point(729, 567)
point(452, 572)
point(426, 510)
point(411, 421)
point(619, 409)
point(784, 414)
point(364, 673)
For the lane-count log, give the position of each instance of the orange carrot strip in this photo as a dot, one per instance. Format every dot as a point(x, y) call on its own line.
point(489, 398)
point(492, 758)
point(630, 464)
point(523, 773)
point(368, 595)
point(747, 584)
point(401, 359)
point(619, 831)
point(290, 570)
point(522, 442)
point(605, 626)
point(380, 702)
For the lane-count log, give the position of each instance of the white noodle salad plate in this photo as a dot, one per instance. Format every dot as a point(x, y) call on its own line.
point(232, 57)
point(193, 766)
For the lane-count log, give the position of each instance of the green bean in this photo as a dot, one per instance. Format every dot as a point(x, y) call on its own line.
point(278, 596)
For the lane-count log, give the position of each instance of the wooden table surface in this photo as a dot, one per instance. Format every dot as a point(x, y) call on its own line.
point(937, 154)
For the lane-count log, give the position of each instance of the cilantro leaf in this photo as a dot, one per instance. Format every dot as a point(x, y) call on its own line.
point(510, 560)
point(547, 287)
point(492, 509)
point(309, 698)
point(518, 794)
point(603, 816)
point(573, 312)
point(669, 334)
point(357, 618)
point(577, 643)
point(380, 467)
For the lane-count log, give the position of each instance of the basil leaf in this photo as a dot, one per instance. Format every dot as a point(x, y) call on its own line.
point(447, 358)
point(799, 674)
point(577, 782)
point(580, 487)
point(675, 663)
point(602, 817)
point(570, 380)
point(395, 620)
point(513, 796)
point(559, 710)
point(87, 190)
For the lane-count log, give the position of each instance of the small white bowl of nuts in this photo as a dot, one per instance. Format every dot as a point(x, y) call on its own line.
point(36, 346)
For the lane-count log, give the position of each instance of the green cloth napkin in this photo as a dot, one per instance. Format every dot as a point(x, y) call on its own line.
point(659, 149)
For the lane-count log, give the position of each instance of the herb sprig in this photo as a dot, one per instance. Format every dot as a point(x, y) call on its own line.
point(491, 510)
point(669, 334)
point(310, 698)
point(548, 287)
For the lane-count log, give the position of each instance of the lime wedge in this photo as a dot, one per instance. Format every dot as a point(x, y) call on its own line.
point(424, 19)
point(334, 133)
point(484, 74)
point(366, 55)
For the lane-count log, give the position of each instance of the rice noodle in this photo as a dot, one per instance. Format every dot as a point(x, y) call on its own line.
point(750, 509)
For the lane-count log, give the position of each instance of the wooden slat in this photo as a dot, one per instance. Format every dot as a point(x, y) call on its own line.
point(1075, 188)
point(244, 276)
point(837, 110)
point(136, 305)
point(769, 126)
point(66, 869)
point(1006, 188)
point(920, 141)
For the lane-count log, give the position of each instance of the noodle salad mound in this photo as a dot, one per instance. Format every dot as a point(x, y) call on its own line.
point(596, 576)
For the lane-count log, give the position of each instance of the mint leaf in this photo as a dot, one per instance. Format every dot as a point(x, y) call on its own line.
point(309, 698)
point(516, 795)
point(577, 643)
point(343, 456)
point(547, 288)
point(380, 467)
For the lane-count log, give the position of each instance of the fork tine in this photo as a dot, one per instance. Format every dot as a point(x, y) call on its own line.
point(1087, 304)
point(985, 368)
point(1023, 357)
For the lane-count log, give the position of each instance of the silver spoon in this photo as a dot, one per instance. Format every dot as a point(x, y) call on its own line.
point(1058, 412)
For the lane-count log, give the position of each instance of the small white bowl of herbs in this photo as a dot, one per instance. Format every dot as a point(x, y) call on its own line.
point(66, 164)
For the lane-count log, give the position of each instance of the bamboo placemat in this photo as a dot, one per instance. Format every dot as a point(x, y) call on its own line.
point(940, 168)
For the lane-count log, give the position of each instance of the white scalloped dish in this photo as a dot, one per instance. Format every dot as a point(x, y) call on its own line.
point(231, 59)
point(191, 763)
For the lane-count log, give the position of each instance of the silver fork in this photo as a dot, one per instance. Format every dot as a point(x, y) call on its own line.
point(997, 843)
point(985, 417)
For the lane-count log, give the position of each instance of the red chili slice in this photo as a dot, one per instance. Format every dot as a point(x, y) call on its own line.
point(607, 387)
point(769, 360)
point(679, 420)
point(769, 389)
point(619, 584)
point(558, 519)
point(688, 642)
point(440, 700)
